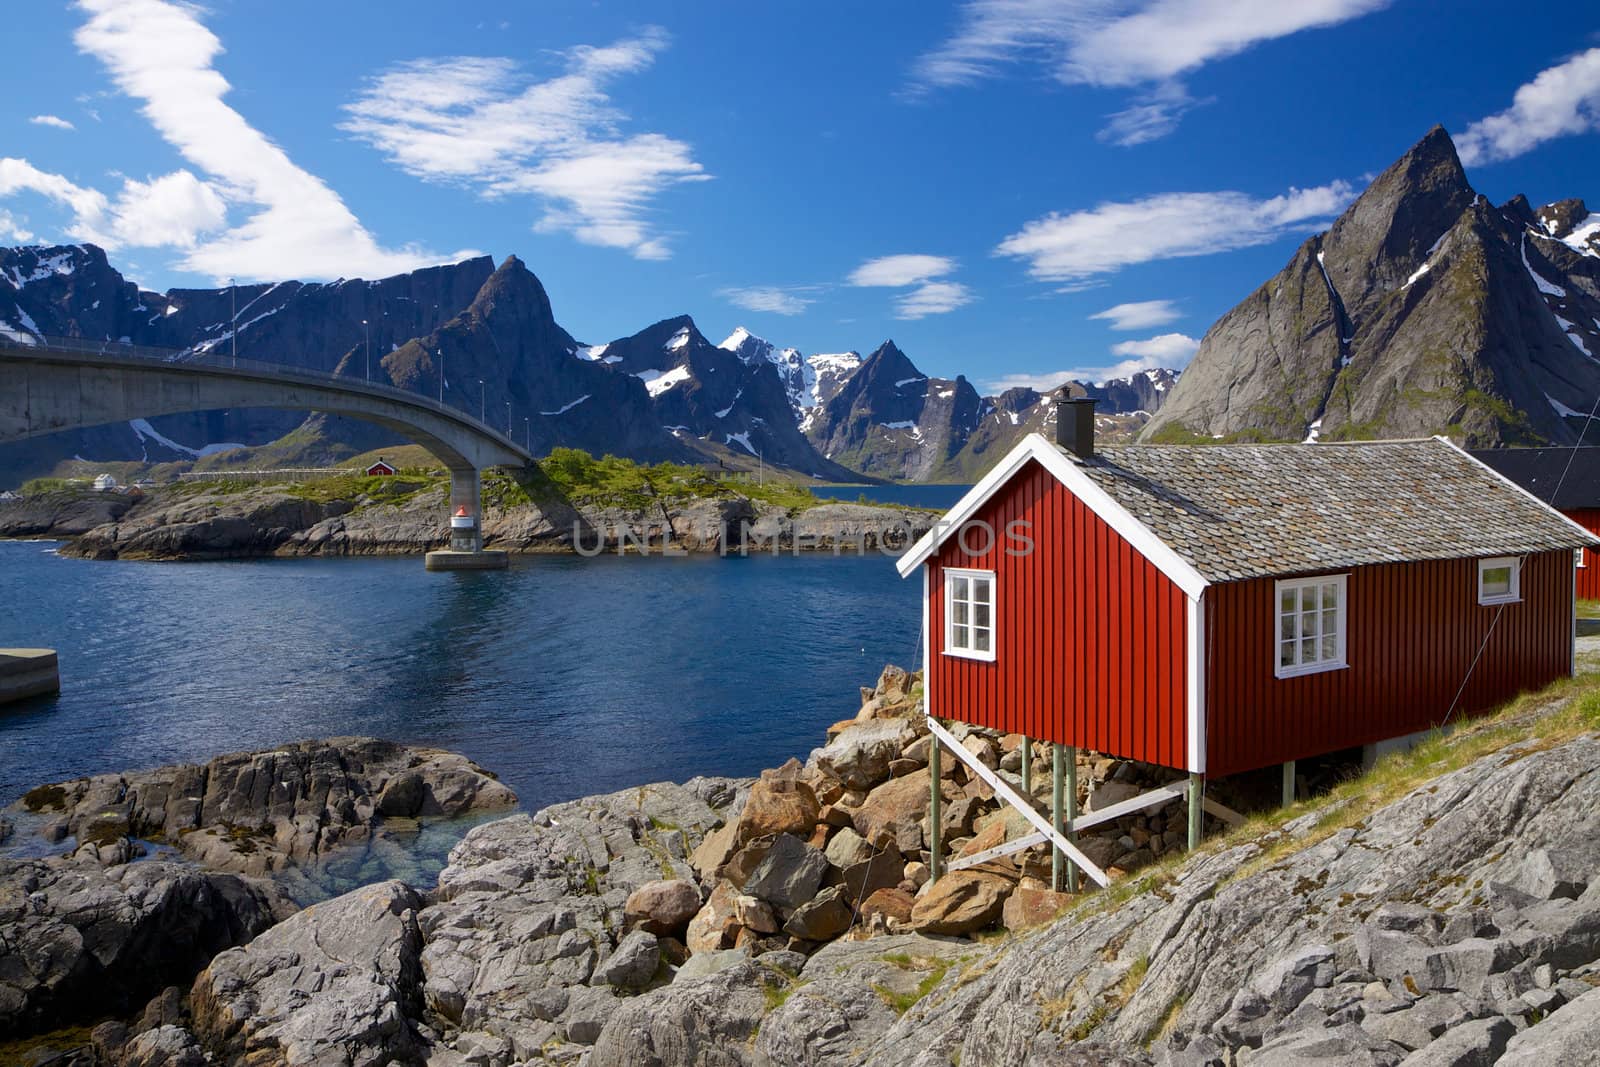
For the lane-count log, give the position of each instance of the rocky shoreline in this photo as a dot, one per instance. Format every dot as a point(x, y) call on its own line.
point(788, 919)
point(224, 522)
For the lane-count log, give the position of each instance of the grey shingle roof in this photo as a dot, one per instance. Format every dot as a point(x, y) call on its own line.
point(1252, 511)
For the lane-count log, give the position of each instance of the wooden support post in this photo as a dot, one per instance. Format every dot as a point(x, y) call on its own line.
point(1027, 766)
point(1288, 783)
point(1057, 811)
point(935, 814)
point(1072, 813)
point(1196, 798)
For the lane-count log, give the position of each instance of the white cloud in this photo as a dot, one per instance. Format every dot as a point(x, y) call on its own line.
point(173, 210)
point(771, 299)
point(895, 271)
point(1163, 350)
point(1171, 351)
point(162, 55)
point(1121, 43)
point(1561, 101)
point(480, 122)
point(11, 229)
point(932, 298)
point(1140, 314)
point(52, 120)
point(1104, 239)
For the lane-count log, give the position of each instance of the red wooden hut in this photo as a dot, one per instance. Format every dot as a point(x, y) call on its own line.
point(1568, 479)
point(380, 469)
point(1217, 609)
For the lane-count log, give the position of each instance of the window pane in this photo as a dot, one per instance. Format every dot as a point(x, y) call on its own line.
point(1308, 650)
point(961, 613)
point(1330, 647)
point(980, 614)
point(1496, 581)
point(980, 589)
point(959, 585)
point(1286, 654)
point(1308, 624)
point(958, 637)
point(1286, 628)
point(1286, 602)
point(1330, 623)
point(981, 640)
point(1308, 598)
point(1330, 596)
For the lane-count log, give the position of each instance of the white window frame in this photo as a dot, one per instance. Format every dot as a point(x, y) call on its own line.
point(1578, 554)
point(1494, 563)
point(1341, 660)
point(951, 574)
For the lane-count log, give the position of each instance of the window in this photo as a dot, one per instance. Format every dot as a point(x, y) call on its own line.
point(1499, 580)
point(1577, 555)
point(1311, 626)
point(969, 613)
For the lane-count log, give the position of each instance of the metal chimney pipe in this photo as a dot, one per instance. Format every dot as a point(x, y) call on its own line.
point(1075, 424)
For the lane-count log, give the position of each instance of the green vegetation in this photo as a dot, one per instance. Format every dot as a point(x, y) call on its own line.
point(902, 1002)
point(615, 482)
point(1589, 609)
point(45, 798)
point(40, 486)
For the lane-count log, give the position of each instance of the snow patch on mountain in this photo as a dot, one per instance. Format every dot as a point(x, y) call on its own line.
point(568, 407)
point(1546, 286)
point(657, 382)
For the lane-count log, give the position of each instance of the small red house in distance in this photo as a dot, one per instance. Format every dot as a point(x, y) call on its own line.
point(1568, 479)
point(380, 469)
point(1218, 609)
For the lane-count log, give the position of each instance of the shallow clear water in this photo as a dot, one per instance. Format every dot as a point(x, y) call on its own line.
point(565, 676)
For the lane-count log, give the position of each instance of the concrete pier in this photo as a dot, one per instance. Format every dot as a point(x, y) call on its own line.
point(28, 672)
point(482, 559)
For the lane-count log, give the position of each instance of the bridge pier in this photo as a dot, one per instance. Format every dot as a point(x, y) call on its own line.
point(466, 551)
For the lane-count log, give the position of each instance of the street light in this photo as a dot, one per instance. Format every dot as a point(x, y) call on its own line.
point(508, 418)
point(527, 435)
point(482, 402)
point(366, 343)
point(440, 354)
point(233, 310)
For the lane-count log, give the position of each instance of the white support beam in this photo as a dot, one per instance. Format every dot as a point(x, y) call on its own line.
point(997, 852)
point(1223, 812)
point(1003, 790)
point(1154, 798)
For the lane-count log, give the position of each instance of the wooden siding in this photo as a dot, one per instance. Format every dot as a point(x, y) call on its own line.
point(1413, 632)
point(1090, 637)
point(1589, 573)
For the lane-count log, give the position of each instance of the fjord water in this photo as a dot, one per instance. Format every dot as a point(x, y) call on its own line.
point(565, 676)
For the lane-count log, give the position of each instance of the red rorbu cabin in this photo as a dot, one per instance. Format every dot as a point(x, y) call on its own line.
point(380, 469)
point(1568, 479)
point(1218, 609)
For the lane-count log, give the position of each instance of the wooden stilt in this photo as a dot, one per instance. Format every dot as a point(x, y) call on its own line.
point(1072, 812)
point(1288, 783)
point(1027, 766)
point(1196, 799)
point(1057, 812)
point(935, 814)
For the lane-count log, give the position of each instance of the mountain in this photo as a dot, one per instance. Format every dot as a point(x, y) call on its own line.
point(486, 339)
point(1424, 309)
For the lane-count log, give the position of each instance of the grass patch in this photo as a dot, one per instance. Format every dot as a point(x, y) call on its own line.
point(902, 1002)
point(44, 1047)
point(1589, 609)
point(45, 798)
point(612, 481)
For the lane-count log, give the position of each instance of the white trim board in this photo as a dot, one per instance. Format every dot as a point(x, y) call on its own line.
point(1003, 790)
point(1067, 472)
point(1194, 703)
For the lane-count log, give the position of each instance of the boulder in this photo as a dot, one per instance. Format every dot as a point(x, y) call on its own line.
point(788, 875)
point(662, 907)
point(859, 756)
point(717, 922)
point(755, 914)
point(163, 1046)
point(707, 1019)
point(847, 848)
point(633, 964)
point(893, 812)
point(882, 870)
point(778, 806)
point(337, 982)
point(1028, 906)
point(959, 903)
point(1106, 794)
point(893, 904)
point(1481, 1042)
point(712, 854)
point(1570, 1035)
point(824, 917)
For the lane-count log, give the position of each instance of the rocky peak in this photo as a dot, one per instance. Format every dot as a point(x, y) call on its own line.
point(1388, 232)
point(1562, 217)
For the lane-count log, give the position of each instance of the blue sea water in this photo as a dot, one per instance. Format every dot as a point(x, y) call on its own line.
point(565, 676)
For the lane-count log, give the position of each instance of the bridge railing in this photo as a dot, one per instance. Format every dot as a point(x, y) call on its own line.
point(206, 355)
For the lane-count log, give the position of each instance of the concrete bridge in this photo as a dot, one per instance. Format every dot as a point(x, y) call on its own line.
point(68, 383)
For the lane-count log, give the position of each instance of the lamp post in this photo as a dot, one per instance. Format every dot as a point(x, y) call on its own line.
point(233, 313)
point(440, 354)
point(508, 418)
point(482, 401)
point(366, 343)
point(527, 435)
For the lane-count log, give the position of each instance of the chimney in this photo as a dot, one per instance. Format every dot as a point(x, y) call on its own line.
point(1075, 424)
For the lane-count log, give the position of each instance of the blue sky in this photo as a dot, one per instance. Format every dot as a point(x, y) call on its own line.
point(1011, 189)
